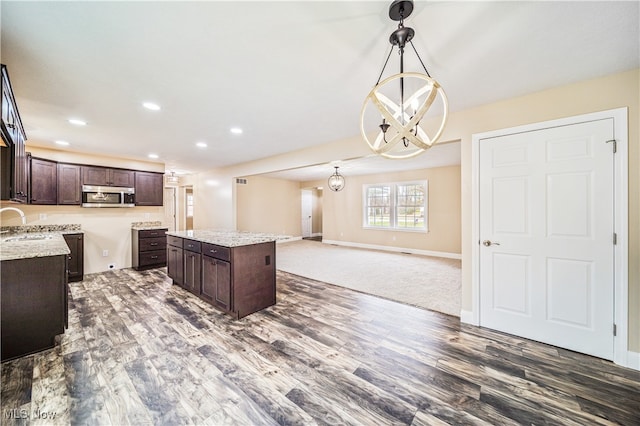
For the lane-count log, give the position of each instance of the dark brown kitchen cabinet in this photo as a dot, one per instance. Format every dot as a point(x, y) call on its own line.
point(43, 181)
point(69, 186)
point(175, 260)
point(216, 282)
point(75, 266)
point(148, 248)
point(13, 157)
point(103, 176)
point(33, 299)
point(192, 268)
point(149, 188)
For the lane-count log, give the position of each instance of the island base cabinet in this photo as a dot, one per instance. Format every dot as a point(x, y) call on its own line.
point(253, 276)
point(216, 282)
point(175, 269)
point(33, 294)
point(192, 277)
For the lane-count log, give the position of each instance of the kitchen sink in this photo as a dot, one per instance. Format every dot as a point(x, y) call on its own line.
point(36, 237)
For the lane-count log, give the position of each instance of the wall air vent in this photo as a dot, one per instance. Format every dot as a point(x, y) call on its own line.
point(240, 181)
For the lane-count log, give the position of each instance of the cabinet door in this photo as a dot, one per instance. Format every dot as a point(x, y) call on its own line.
point(119, 177)
point(95, 175)
point(175, 269)
point(192, 278)
point(149, 189)
point(44, 181)
point(76, 257)
point(69, 186)
point(216, 282)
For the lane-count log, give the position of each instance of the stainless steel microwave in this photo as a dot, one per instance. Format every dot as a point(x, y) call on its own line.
point(108, 196)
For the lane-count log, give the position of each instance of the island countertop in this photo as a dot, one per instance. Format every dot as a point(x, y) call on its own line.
point(227, 238)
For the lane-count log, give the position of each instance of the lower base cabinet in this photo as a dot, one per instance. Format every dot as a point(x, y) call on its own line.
point(192, 267)
point(216, 282)
point(76, 257)
point(33, 304)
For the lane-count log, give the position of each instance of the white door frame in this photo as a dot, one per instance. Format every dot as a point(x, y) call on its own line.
point(306, 195)
point(621, 354)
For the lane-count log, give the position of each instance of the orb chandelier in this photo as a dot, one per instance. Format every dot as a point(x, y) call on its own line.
point(336, 181)
point(404, 131)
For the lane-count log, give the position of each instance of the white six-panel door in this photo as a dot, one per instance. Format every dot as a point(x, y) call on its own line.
point(546, 231)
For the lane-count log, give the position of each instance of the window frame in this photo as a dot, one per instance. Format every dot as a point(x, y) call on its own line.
point(393, 206)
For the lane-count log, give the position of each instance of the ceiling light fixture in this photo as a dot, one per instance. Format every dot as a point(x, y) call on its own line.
point(201, 145)
point(336, 181)
point(154, 156)
point(62, 143)
point(77, 122)
point(151, 106)
point(403, 132)
point(236, 130)
point(171, 179)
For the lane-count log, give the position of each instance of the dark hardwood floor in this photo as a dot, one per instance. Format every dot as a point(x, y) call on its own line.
point(141, 351)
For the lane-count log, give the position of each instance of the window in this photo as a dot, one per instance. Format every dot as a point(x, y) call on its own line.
point(398, 206)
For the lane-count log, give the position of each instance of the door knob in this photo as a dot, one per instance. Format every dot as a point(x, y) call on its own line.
point(488, 243)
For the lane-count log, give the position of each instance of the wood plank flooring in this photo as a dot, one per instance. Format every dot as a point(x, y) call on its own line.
point(140, 351)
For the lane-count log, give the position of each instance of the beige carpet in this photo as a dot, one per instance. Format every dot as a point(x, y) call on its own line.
point(428, 282)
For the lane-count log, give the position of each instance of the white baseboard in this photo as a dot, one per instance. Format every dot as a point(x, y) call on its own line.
point(317, 234)
point(633, 360)
point(466, 317)
point(394, 249)
point(288, 240)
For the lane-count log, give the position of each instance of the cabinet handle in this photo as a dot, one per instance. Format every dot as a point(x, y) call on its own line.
point(153, 244)
point(154, 233)
point(154, 257)
point(213, 251)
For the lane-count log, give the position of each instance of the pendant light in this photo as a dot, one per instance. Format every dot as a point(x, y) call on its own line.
point(402, 129)
point(336, 181)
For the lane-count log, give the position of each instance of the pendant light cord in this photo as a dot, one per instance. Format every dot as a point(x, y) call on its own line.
point(384, 66)
point(423, 66)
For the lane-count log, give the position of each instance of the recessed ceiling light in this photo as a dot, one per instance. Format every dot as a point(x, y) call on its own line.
point(154, 156)
point(62, 143)
point(236, 130)
point(77, 122)
point(151, 106)
point(201, 145)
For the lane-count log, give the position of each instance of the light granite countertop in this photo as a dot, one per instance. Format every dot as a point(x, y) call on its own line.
point(24, 242)
point(146, 226)
point(226, 238)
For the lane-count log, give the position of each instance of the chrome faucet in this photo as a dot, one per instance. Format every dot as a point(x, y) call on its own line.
point(22, 216)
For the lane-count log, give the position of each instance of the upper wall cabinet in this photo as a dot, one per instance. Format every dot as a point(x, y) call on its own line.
point(13, 155)
point(149, 188)
point(103, 176)
point(43, 181)
point(69, 186)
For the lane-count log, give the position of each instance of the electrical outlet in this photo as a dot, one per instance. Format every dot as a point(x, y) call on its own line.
point(105, 253)
point(147, 216)
point(43, 216)
point(112, 266)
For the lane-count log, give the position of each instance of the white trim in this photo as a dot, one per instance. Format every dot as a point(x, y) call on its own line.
point(466, 317)
point(632, 361)
point(395, 249)
point(287, 240)
point(316, 234)
point(621, 355)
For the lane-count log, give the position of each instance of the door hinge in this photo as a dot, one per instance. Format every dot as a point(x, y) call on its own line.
point(615, 238)
point(615, 145)
point(615, 330)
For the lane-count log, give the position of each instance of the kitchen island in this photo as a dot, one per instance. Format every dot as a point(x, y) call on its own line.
point(234, 271)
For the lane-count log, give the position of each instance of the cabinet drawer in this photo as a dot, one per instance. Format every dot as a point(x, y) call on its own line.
point(191, 245)
point(148, 244)
point(156, 257)
point(174, 241)
point(151, 233)
point(219, 252)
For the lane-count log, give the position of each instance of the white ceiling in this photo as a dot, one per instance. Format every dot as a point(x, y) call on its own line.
point(292, 74)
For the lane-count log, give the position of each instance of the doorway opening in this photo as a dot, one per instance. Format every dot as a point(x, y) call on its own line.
point(311, 213)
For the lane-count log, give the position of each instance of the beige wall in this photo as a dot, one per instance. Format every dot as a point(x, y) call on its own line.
point(269, 205)
point(342, 212)
point(104, 229)
point(614, 91)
